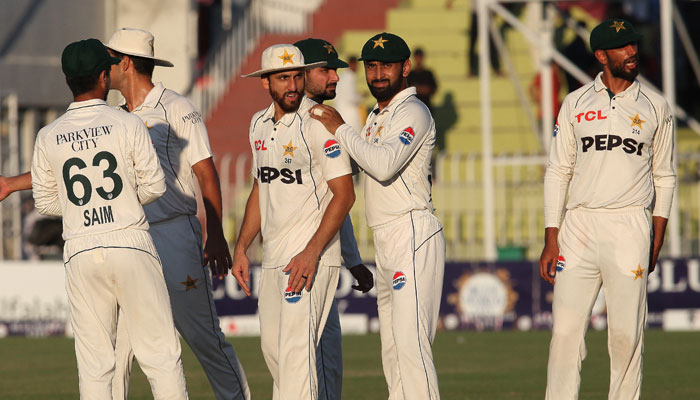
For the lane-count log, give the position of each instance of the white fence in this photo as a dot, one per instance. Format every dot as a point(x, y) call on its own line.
point(224, 62)
point(458, 198)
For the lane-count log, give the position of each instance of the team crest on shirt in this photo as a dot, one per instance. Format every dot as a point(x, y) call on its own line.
point(556, 129)
point(637, 123)
point(331, 148)
point(406, 136)
point(399, 280)
point(291, 296)
point(561, 263)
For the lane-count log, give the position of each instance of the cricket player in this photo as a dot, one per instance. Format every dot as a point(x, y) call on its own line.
point(320, 84)
point(613, 150)
point(96, 166)
point(302, 191)
point(394, 150)
point(180, 137)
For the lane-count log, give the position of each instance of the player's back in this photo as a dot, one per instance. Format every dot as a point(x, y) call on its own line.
point(95, 166)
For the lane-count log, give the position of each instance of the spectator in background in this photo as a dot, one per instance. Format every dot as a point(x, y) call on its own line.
point(473, 35)
point(536, 92)
point(423, 79)
point(347, 100)
point(578, 53)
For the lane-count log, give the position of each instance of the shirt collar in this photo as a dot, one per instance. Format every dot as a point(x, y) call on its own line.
point(398, 98)
point(151, 99)
point(87, 103)
point(288, 118)
point(633, 90)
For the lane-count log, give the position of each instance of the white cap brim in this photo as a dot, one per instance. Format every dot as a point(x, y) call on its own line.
point(273, 70)
point(157, 61)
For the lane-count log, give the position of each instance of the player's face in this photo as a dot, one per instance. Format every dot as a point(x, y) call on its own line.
point(321, 83)
point(386, 79)
point(286, 88)
point(115, 72)
point(622, 62)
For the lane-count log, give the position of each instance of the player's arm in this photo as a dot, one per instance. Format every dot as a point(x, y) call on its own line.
point(351, 256)
point(302, 267)
point(664, 176)
point(11, 184)
point(382, 161)
point(249, 229)
point(44, 186)
point(216, 252)
point(560, 168)
point(150, 179)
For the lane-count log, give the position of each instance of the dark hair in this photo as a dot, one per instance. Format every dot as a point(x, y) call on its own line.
point(418, 52)
point(142, 65)
point(83, 84)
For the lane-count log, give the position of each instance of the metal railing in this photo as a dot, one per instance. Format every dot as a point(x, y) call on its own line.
point(224, 62)
point(458, 200)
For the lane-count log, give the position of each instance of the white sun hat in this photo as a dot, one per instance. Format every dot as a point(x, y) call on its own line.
point(137, 43)
point(281, 57)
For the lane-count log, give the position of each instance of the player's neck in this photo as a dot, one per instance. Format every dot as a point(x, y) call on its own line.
point(136, 90)
point(317, 99)
point(279, 112)
point(614, 84)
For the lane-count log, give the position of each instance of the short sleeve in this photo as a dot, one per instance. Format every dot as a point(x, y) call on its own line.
point(331, 156)
point(191, 131)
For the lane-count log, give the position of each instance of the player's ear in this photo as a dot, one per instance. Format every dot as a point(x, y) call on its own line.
point(601, 56)
point(406, 68)
point(265, 82)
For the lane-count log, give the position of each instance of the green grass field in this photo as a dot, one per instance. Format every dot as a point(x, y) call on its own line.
point(491, 365)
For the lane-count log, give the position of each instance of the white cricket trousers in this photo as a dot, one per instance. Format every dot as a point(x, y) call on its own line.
point(116, 270)
point(609, 248)
point(290, 329)
point(410, 267)
point(179, 243)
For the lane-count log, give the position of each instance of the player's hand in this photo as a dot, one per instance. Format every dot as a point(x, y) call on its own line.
point(329, 117)
point(217, 255)
point(302, 270)
point(550, 254)
point(365, 279)
point(4, 188)
point(241, 270)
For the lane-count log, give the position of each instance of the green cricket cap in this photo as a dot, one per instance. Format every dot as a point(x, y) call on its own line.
point(315, 50)
point(612, 34)
point(385, 47)
point(86, 57)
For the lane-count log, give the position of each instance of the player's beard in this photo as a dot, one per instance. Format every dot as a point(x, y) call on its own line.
point(619, 70)
point(284, 102)
point(387, 92)
point(320, 94)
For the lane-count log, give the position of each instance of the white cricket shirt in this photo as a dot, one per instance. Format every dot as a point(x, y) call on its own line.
point(293, 159)
point(180, 137)
point(615, 152)
point(95, 166)
point(394, 150)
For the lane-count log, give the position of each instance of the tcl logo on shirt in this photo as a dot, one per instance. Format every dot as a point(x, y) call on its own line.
point(269, 174)
point(610, 142)
point(260, 145)
point(590, 116)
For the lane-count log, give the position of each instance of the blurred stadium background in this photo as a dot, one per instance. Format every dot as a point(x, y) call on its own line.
point(493, 133)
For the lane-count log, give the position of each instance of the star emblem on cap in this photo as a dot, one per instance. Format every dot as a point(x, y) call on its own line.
point(286, 58)
point(636, 121)
point(379, 42)
point(289, 149)
point(190, 283)
point(329, 47)
point(639, 272)
point(618, 25)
